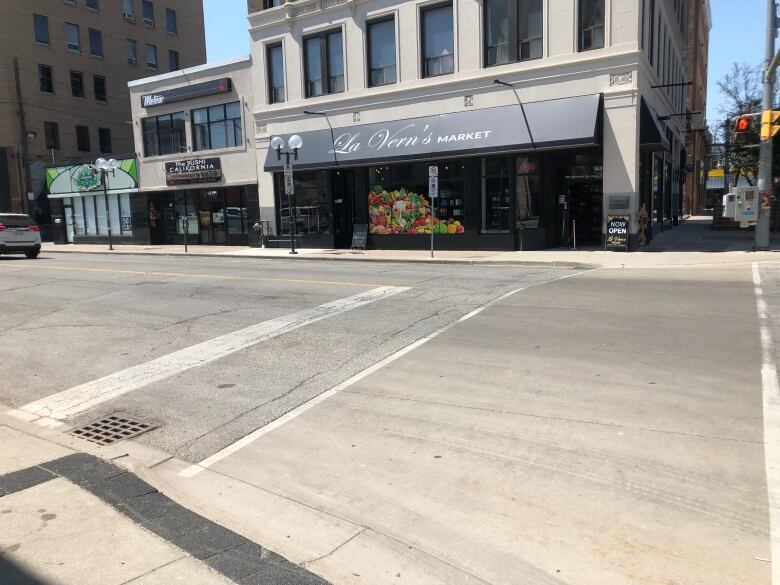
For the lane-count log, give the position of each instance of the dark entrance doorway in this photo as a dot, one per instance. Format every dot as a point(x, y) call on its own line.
point(584, 195)
point(343, 183)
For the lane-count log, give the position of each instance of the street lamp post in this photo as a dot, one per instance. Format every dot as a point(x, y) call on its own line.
point(294, 144)
point(104, 166)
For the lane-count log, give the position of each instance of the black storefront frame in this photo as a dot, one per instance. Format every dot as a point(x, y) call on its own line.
point(551, 162)
point(163, 229)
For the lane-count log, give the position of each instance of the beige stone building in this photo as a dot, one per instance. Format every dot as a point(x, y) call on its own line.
point(699, 25)
point(64, 69)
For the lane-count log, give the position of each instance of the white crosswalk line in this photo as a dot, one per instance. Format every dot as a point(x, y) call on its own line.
point(78, 399)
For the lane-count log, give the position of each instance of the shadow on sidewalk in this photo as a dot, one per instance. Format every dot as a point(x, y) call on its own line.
point(696, 235)
point(13, 574)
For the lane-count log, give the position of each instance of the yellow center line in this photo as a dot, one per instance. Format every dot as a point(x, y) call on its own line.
point(40, 266)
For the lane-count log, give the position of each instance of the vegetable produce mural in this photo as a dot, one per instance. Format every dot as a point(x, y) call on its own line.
point(404, 212)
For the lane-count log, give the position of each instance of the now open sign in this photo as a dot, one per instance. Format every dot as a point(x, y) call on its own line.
point(617, 232)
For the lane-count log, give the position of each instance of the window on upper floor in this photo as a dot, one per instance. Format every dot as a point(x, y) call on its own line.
point(101, 91)
point(651, 32)
point(41, 26)
point(45, 79)
point(164, 134)
point(93, 4)
point(104, 140)
point(170, 21)
point(72, 37)
point(148, 12)
point(128, 10)
point(591, 25)
point(271, 3)
point(95, 43)
point(324, 63)
point(151, 57)
point(217, 127)
point(275, 66)
point(381, 52)
point(132, 52)
point(173, 61)
point(82, 139)
point(438, 41)
point(77, 84)
point(513, 31)
point(51, 131)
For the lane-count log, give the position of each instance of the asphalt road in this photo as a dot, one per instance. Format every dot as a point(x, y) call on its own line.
point(594, 428)
point(65, 321)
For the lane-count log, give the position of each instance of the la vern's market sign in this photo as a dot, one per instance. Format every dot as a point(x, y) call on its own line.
point(408, 136)
point(566, 121)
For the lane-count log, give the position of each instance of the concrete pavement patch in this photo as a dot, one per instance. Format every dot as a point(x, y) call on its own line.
point(19, 450)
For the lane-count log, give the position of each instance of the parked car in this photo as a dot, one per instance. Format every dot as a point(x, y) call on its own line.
point(19, 235)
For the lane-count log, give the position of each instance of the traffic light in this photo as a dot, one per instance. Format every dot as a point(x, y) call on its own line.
point(769, 125)
point(746, 130)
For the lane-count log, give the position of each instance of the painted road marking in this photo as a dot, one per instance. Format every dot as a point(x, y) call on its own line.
point(38, 266)
point(78, 399)
point(771, 396)
point(195, 469)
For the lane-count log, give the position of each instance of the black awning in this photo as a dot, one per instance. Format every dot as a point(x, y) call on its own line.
point(652, 135)
point(554, 124)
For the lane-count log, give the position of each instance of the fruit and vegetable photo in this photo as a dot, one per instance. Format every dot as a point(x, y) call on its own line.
point(404, 212)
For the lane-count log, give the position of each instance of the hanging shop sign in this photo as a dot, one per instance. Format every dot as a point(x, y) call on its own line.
point(189, 92)
point(563, 122)
point(194, 171)
point(617, 232)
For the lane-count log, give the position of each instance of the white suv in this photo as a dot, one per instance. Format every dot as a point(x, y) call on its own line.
point(19, 235)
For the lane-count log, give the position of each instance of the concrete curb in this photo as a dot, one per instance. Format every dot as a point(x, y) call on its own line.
point(460, 262)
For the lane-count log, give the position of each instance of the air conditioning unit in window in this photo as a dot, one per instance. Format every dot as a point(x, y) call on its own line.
point(132, 61)
point(129, 16)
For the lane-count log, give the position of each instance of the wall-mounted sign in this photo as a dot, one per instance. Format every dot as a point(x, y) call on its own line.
point(67, 181)
point(561, 122)
point(195, 171)
point(619, 202)
point(617, 232)
point(189, 92)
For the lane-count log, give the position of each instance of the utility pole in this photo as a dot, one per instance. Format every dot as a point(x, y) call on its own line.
point(765, 160)
point(24, 167)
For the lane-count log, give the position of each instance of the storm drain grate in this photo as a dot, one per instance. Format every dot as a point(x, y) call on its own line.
point(112, 429)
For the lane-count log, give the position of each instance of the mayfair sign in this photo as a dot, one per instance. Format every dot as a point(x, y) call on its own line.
point(187, 92)
point(195, 171)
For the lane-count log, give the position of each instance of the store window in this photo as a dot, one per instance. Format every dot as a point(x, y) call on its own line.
point(99, 85)
point(51, 132)
point(591, 24)
point(41, 26)
point(95, 43)
point(82, 139)
point(276, 93)
point(173, 61)
point(438, 42)
point(312, 215)
point(45, 79)
point(381, 52)
point(528, 192)
point(164, 134)
point(72, 38)
point(398, 202)
point(324, 63)
point(513, 31)
point(496, 195)
point(217, 127)
point(77, 84)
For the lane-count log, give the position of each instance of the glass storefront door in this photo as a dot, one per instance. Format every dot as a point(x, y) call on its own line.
point(343, 207)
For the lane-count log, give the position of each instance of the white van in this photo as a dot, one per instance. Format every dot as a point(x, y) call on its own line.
point(19, 235)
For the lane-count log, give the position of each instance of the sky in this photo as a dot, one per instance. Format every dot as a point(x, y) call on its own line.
point(226, 37)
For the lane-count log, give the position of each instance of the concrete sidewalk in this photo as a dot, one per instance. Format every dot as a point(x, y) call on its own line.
point(692, 243)
point(69, 518)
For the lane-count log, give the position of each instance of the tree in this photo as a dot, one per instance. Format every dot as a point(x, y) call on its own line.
point(742, 88)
